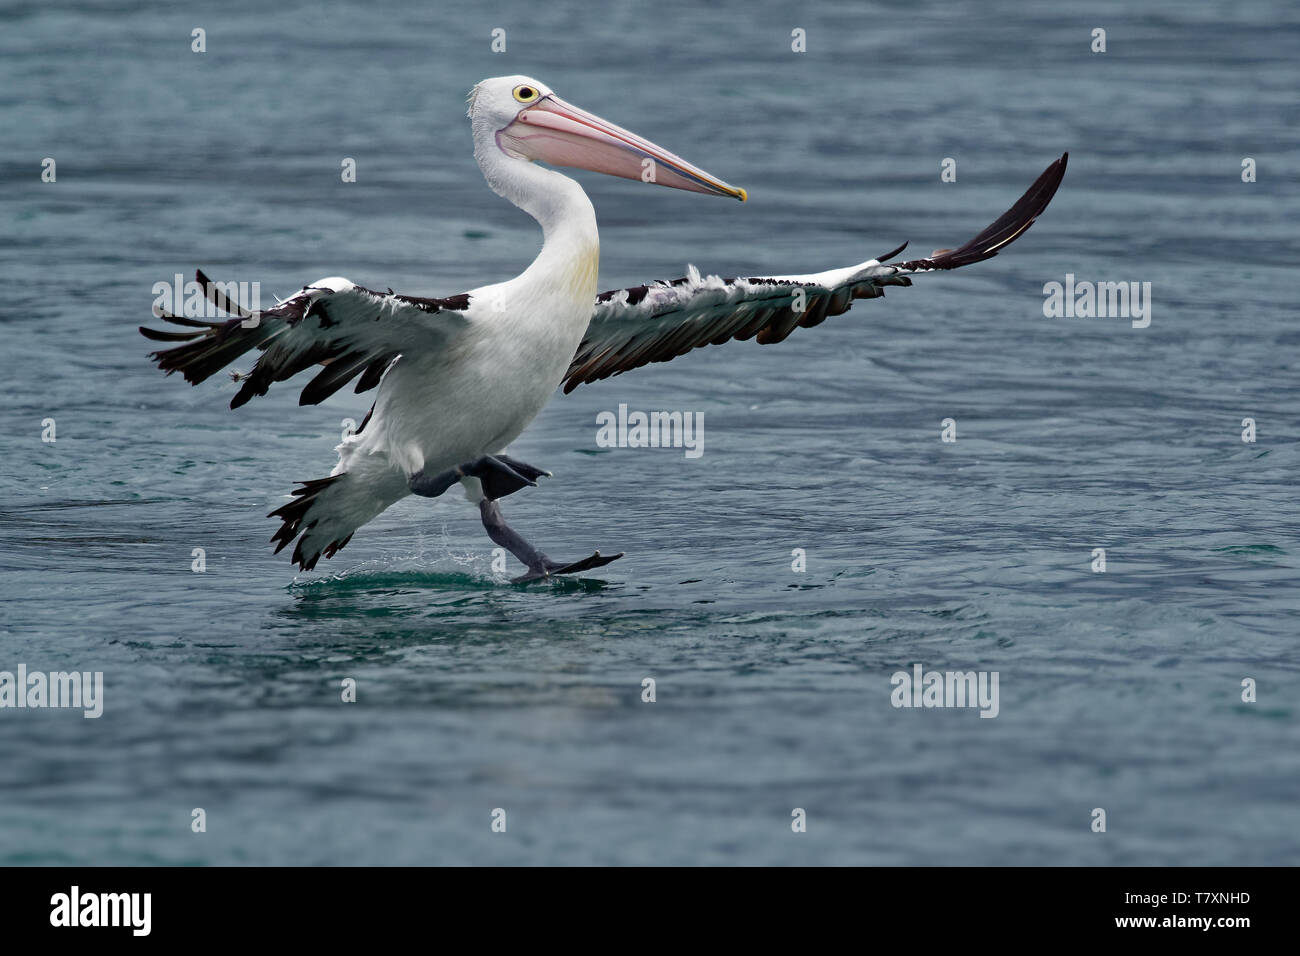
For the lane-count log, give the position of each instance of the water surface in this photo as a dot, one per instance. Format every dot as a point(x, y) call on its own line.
point(1119, 690)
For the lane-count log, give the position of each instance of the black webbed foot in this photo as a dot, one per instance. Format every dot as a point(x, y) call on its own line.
point(550, 568)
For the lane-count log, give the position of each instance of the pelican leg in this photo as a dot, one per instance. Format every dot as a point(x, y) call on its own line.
point(500, 475)
point(539, 565)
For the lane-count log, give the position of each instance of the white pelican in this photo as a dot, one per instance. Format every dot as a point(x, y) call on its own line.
point(460, 378)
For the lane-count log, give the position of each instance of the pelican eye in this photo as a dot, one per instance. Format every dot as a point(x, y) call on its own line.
point(525, 94)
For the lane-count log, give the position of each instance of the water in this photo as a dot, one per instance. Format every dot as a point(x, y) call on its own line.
point(1119, 690)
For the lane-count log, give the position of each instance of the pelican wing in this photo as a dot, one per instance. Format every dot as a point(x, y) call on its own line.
point(658, 322)
point(350, 330)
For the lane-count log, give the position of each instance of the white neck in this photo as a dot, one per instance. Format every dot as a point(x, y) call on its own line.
point(569, 236)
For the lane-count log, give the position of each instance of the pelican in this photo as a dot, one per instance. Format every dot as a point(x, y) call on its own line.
point(459, 378)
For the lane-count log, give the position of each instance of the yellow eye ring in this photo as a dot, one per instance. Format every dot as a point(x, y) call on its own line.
point(525, 94)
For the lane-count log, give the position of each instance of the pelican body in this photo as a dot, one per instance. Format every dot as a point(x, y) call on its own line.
point(459, 378)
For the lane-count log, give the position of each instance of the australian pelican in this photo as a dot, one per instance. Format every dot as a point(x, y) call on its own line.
point(459, 378)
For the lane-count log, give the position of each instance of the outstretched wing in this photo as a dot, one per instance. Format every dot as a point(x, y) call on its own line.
point(655, 323)
point(348, 329)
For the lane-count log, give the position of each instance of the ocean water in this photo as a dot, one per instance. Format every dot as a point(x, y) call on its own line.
point(1120, 690)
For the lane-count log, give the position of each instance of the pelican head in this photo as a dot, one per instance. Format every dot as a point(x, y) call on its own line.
point(527, 121)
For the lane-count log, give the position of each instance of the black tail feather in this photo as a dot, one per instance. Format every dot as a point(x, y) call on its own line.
point(292, 516)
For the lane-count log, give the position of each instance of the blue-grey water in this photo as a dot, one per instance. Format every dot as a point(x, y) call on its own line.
point(1120, 690)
